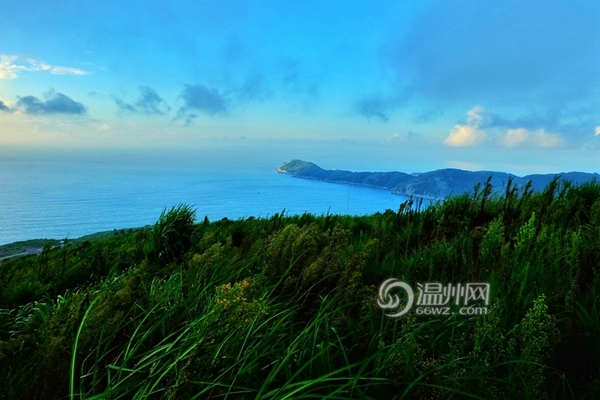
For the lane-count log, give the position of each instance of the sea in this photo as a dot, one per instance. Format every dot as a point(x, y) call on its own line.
point(62, 194)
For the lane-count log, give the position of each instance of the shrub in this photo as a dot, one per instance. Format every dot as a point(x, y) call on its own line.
point(171, 236)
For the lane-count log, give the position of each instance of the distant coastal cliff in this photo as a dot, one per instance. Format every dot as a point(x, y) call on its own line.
point(430, 185)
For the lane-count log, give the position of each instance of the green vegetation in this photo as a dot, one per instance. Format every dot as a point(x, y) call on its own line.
point(286, 307)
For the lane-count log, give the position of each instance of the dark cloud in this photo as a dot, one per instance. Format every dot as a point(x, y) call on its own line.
point(199, 98)
point(294, 77)
point(125, 107)
point(550, 119)
point(253, 88)
point(578, 122)
point(428, 115)
point(290, 69)
point(374, 107)
point(149, 103)
point(511, 52)
point(3, 106)
point(55, 103)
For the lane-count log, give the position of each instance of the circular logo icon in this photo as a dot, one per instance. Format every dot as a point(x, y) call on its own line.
point(392, 301)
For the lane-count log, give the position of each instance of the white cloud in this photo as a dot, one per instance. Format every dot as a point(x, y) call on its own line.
point(10, 67)
point(468, 134)
point(6, 103)
point(394, 138)
point(67, 71)
point(515, 137)
point(545, 139)
point(475, 116)
point(522, 137)
point(465, 135)
point(480, 124)
point(598, 131)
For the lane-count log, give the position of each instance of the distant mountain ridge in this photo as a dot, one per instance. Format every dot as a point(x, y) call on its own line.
point(434, 185)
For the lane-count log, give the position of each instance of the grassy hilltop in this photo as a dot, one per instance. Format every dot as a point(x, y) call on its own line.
point(286, 307)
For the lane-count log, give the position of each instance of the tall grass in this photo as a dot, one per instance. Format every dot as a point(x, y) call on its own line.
point(286, 307)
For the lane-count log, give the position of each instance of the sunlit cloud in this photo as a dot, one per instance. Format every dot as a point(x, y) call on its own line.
point(465, 135)
point(468, 134)
point(4, 106)
point(522, 137)
point(12, 66)
point(519, 132)
point(515, 137)
point(597, 130)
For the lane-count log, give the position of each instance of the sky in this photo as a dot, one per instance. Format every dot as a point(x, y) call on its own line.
point(478, 85)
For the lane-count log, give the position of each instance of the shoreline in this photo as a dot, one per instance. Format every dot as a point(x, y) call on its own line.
point(414, 195)
point(27, 252)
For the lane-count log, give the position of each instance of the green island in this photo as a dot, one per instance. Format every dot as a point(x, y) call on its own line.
point(286, 307)
point(435, 185)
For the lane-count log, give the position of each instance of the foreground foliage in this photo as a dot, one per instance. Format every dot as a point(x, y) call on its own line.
point(286, 307)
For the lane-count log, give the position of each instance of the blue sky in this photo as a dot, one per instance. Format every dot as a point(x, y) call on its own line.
point(495, 85)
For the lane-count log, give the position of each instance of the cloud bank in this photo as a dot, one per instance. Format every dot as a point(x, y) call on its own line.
point(543, 51)
point(482, 124)
point(535, 60)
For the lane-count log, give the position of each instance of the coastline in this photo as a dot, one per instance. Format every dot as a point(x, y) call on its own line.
point(27, 252)
point(392, 191)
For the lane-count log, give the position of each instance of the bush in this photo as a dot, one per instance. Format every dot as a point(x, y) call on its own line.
point(171, 236)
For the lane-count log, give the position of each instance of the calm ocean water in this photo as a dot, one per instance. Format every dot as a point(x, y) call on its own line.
point(54, 195)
